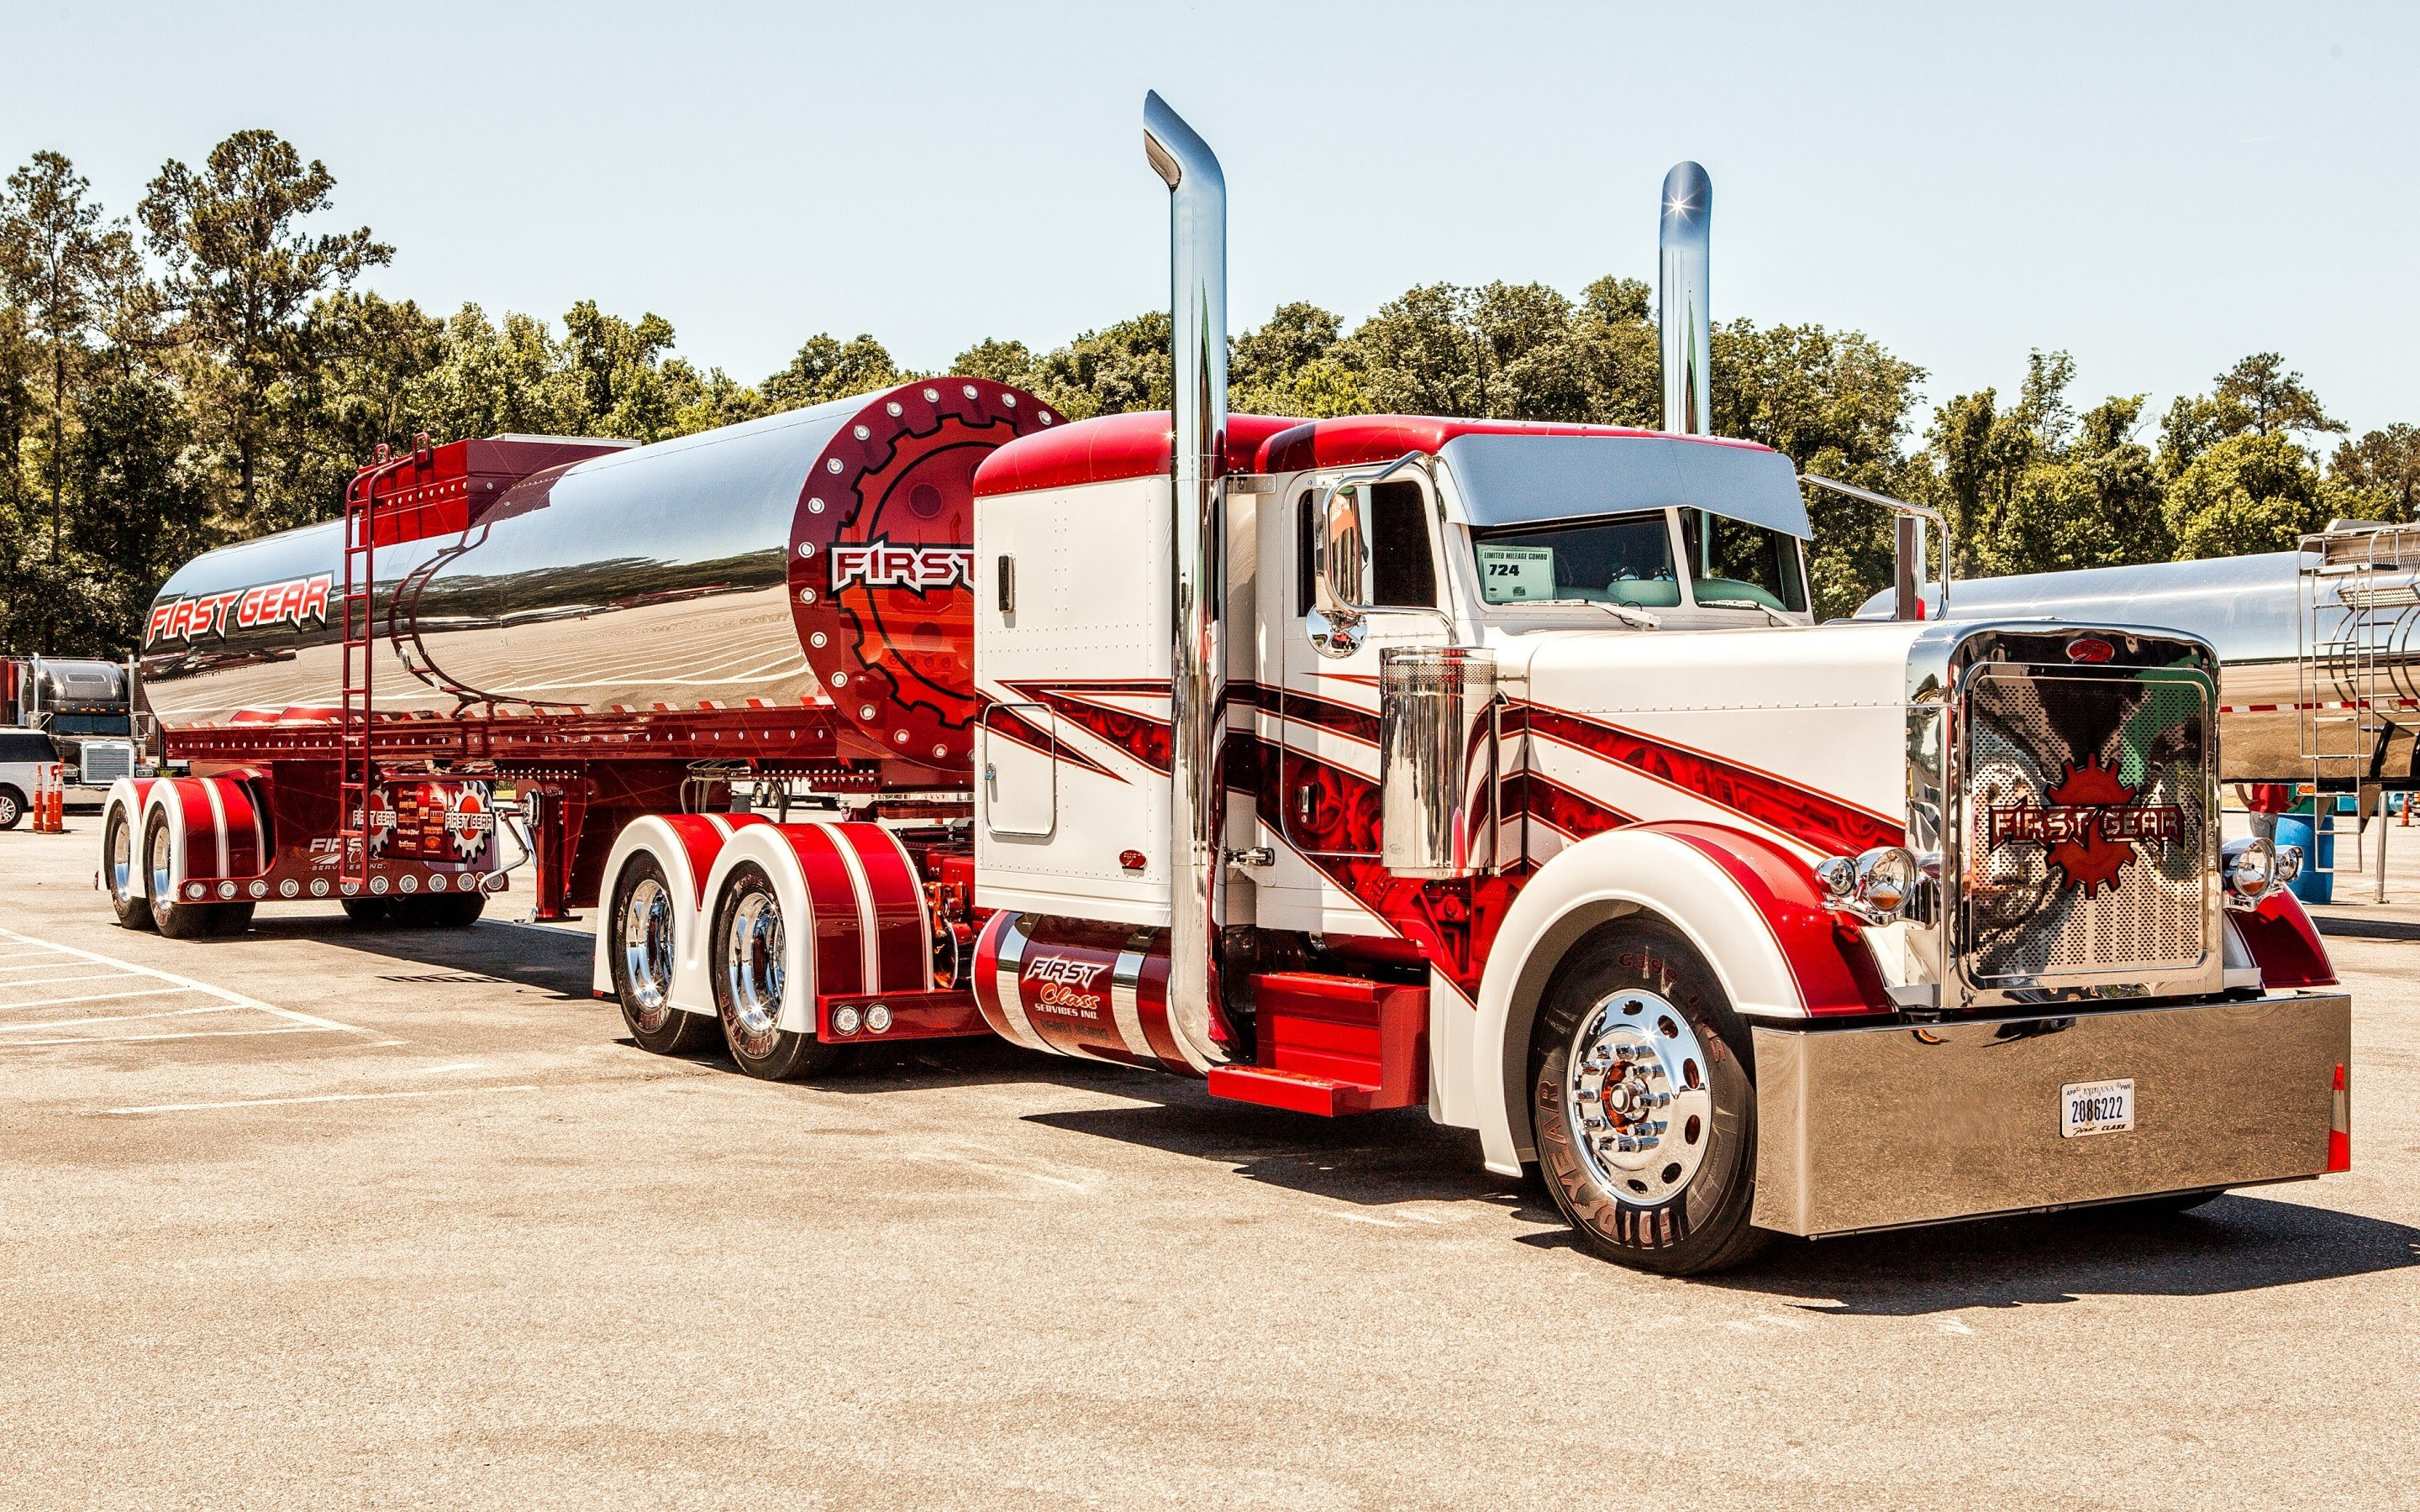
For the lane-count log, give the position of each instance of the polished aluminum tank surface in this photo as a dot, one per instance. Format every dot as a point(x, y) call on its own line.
point(2315, 682)
point(821, 554)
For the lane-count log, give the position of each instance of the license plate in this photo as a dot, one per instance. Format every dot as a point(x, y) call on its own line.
point(2095, 1108)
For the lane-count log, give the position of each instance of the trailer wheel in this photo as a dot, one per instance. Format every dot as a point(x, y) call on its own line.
point(117, 871)
point(12, 807)
point(1643, 1099)
point(750, 981)
point(368, 913)
point(176, 920)
point(641, 944)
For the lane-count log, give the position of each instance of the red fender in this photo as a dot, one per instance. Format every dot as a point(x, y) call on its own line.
point(1836, 971)
point(2284, 943)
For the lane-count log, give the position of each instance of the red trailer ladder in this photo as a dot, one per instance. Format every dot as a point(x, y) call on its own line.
point(357, 771)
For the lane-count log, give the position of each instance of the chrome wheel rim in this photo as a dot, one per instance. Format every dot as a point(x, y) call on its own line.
point(8, 809)
point(753, 969)
point(121, 860)
point(1639, 1102)
point(164, 886)
point(648, 949)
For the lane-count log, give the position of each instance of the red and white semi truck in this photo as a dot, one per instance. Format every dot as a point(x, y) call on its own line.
point(1373, 763)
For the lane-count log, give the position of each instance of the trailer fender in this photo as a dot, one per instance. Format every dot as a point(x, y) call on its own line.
point(2278, 938)
point(217, 831)
point(853, 915)
point(126, 796)
point(685, 845)
point(1751, 907)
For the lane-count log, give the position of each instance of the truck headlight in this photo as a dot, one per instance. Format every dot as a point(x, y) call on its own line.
point(1875, 886)
point(2253, 870)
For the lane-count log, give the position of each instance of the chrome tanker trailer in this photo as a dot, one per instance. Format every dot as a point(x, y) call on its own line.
point(1379, 761)
point(2319, 648)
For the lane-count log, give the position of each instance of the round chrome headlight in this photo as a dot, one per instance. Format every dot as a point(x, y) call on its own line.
point(2251, 870)
point(2290, 864)
point(1885, 880)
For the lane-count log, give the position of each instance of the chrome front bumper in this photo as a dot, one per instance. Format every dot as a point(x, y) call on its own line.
point(1879, 1128)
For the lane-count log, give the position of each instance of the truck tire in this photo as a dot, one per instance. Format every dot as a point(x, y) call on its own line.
point(369, 913)
point(640, 944)
point(176, 920)
point(750, 981)
point(1643, 1100)
point(12, 807)
point(117, 872)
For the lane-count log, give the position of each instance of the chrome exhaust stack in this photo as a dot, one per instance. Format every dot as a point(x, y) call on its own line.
point(1197, 235)
point(1683, 315)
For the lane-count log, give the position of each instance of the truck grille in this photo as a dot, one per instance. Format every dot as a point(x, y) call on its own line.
point(104, 762)
point(2088, 852)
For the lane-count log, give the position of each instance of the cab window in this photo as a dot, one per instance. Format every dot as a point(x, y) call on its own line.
point(1733, 564)
point(1621, 559)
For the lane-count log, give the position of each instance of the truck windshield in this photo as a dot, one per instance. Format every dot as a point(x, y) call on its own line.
point(1623, 559)
point(1733, 564)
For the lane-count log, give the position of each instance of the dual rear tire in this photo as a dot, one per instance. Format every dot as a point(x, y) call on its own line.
point(748, 952)
point(161, 909)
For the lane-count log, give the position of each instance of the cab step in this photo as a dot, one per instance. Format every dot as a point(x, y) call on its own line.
point(1333, 1045)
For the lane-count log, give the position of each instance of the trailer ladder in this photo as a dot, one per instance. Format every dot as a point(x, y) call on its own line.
point(357, 769)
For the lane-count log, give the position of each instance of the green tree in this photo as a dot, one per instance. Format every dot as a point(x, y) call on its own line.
point(241, 274)
point(2380, 473)
point(2258, 396)
point(2246, 493)
point(57, 260)
point(1292, 364)
point(827, 368)
point(138, 511)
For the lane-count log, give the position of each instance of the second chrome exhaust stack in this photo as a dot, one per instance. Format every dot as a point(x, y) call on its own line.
point(1684, 314)
point(1197, 237)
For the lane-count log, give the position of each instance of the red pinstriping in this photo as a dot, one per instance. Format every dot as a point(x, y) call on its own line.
point(839, 947)
point(986, 976)
point(1147, 740)
point(1835, 971)
point(902, 956)
point(1816, 820)
point(1327, 714)
point(1013, 726)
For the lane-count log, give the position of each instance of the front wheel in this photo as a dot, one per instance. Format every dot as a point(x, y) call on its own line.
point(751, 981)
point(642, 946)
point(1643, 1099)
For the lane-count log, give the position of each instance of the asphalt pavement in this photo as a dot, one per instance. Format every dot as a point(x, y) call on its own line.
point(319, 1217)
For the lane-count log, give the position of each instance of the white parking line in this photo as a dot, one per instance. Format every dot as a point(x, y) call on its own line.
point(146, 1038)
point(96, 997)
point(45, 982)
point(115, 1018)
point(180, 983)
point(324, 1097)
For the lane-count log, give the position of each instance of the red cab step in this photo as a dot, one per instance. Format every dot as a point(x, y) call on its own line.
point(1333, 1045)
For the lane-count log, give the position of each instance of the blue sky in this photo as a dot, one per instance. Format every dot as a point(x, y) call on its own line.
point(2158, 188)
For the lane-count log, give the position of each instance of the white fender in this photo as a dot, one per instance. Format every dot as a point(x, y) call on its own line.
point(177, 798)
point(685, 849)
point(1581, 886)
point(126, 795)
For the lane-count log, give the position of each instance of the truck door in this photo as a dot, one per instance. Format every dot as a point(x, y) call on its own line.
point(1328, 705)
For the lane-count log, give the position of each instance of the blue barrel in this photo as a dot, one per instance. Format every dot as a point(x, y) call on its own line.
point(2314, 885)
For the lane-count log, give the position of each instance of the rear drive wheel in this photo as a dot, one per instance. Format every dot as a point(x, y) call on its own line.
point(751, 981)
point(172, 917)
point(641, 946)
point(1643, 1099)
point(117, 872)
point(12, 807)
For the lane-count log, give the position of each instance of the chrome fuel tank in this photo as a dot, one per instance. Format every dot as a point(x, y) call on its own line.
point(821, 554)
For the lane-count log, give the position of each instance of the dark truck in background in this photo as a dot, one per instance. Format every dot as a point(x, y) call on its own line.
point(84, 708)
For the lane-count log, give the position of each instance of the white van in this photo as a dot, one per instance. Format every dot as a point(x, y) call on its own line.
point(23, 754)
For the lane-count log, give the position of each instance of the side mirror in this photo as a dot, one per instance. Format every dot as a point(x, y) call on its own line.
point(1340, 572)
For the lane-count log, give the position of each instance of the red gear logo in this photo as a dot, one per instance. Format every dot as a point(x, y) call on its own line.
point(2095, 860)
point(882, 562)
